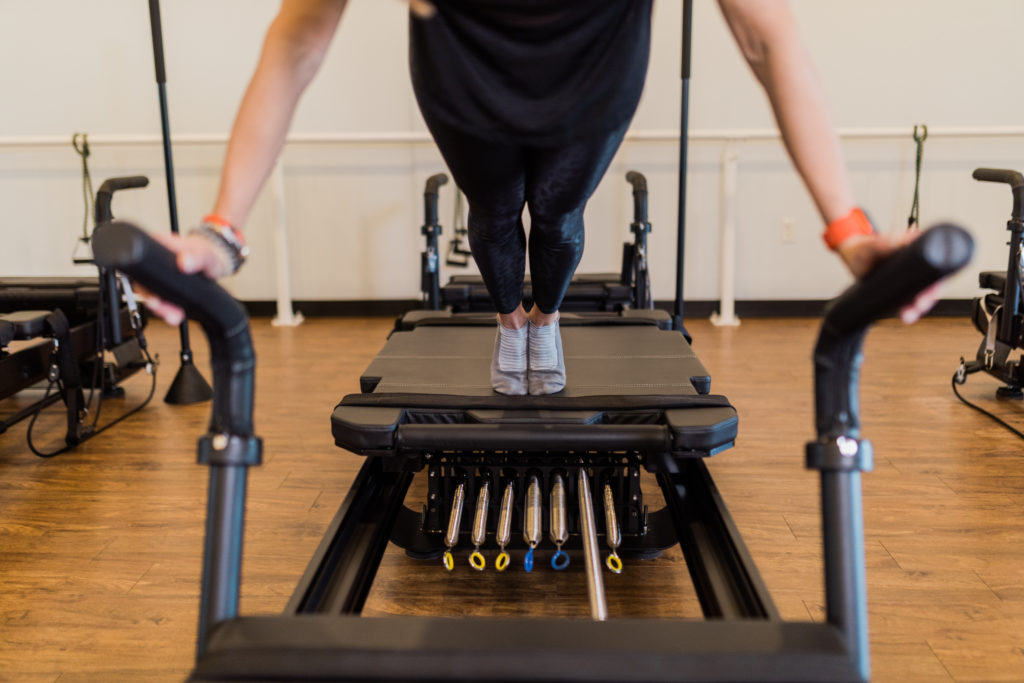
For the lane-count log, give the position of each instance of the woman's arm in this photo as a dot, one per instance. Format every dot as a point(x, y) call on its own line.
point(768, 36)
point(292, 53)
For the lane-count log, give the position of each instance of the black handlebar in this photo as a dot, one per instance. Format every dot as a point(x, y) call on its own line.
point(937, 253)
point(105, 195)
point(639, 183)
point(1012, 178)
point(434, 182)
point(126, 248)
point(430, 193)
point(999, 175)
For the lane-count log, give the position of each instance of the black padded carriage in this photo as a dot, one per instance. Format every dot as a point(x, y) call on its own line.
point(631, 386)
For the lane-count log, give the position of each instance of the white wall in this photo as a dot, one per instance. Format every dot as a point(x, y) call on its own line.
point(354, 211)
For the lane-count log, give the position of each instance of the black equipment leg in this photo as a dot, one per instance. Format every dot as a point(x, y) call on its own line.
point(188, 385)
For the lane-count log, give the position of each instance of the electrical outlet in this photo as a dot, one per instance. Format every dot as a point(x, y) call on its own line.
point(788, 231)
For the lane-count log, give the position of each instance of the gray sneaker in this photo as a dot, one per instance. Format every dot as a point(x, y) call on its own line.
point(509, 363)
point(546, 374)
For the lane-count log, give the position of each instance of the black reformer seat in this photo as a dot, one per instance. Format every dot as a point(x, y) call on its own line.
point(321, 635)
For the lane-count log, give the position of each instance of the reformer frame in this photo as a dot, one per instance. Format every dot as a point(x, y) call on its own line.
point(321, 636)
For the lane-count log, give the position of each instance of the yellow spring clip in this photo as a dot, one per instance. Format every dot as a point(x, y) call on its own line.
point(451, 537)
point(483, 499)
point(613, 534)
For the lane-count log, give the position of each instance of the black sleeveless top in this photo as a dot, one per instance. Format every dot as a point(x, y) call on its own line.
point(541, 72)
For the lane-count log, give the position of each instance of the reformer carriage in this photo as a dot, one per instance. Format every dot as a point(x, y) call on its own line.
point(638, 402)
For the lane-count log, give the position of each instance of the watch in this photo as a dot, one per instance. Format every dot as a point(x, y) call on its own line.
point(224, 235)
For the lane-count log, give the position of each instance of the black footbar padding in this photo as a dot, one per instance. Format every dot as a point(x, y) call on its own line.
point(126, 248)
point(6, 333)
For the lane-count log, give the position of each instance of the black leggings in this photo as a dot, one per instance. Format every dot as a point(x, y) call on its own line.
point(555, 182)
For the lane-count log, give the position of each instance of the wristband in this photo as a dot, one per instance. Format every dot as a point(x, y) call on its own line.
point(853, 223)
point(224, 235)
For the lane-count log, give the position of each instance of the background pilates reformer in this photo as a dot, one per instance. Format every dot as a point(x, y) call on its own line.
point(349, 203)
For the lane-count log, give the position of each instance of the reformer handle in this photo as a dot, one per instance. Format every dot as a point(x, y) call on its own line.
point(229, 447)
point(639, 183)
point(430, 193)
point(1012, 178)
point(999, 175)
point(105, 195)
point(937, 253)
point(125, 247)
point(838, 453)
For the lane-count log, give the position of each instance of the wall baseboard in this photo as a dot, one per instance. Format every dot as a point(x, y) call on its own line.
point(390, 308)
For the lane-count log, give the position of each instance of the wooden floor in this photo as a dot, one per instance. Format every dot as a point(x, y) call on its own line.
point(100, 548)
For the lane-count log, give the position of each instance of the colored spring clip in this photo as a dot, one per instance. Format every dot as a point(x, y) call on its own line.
point(559, 525)
point(451, 537)
point(504, 533)
point(483, 499)
point(532, 530)
point(613, 534)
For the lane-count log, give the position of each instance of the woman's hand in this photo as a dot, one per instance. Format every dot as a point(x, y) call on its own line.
point(195, 254)
point(861, 253)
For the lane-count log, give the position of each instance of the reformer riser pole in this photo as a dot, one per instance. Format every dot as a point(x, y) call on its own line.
point(846, 602)
point(188, 385)
point(684, 115)
point(222, 549)
point(431, 258)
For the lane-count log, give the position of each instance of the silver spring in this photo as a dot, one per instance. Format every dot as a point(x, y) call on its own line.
point(451, 537)
point(508, 500)
point(611, 521)
point(559, 524)
point(483, 499)
point(532, 529)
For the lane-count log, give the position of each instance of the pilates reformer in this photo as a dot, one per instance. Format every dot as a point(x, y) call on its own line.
point(999, 314)
point(634, 408)
point(93, 340)
point(629, 288)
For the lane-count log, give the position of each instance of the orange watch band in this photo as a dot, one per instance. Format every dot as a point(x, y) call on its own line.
point(853, 223)
point(218, 220)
